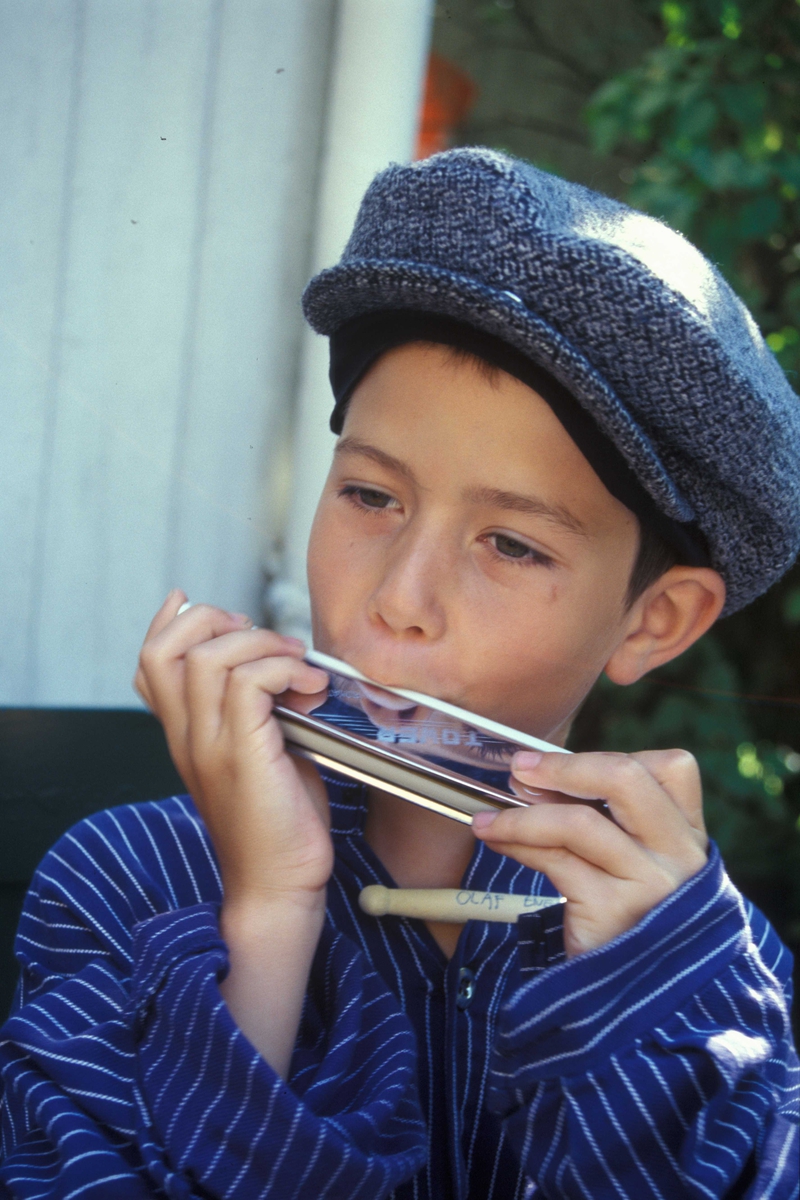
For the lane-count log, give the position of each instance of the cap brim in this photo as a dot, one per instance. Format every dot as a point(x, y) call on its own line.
point(359, 286)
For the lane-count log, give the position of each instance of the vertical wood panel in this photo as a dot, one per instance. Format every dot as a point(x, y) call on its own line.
point(195, 126)
point(253, 198)
point(37, 107)
point(128, 290)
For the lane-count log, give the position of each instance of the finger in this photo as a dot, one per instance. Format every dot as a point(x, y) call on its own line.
point(539, 795)
point(598, 907)
point(167, 612)
point(140, 687)
point(678, 773)
point(160, 659)
point(208, 666)
point(638, 802)
point(574, 828)
point(251, 687)
point(305, 704)
point(199, 623)
point(571, 875)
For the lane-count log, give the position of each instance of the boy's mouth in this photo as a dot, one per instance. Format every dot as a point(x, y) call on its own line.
point(377, 698)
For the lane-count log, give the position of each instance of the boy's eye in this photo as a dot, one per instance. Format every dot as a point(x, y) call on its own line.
point(510, 548)
point(367, 497)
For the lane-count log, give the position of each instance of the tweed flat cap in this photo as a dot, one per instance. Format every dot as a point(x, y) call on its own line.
point(630, 317)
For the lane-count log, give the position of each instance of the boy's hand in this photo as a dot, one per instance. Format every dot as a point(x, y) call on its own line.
point(611, 874)
point(210, 678)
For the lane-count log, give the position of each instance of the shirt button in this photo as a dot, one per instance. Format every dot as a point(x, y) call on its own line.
point(466, 987)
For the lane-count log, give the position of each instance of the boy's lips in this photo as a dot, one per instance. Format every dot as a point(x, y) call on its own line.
point(382, 699)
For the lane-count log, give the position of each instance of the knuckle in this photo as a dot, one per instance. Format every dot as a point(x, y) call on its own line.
point(662, 883)
point(204, 610)
point(192, 659)
point(628, 770)
point(197, 656)
point(581, 818)
point(240, 675)
point(681, 760)
point(244, 675)
point(148, 656)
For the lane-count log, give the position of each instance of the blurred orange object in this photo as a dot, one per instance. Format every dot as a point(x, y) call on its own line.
point(449, 97)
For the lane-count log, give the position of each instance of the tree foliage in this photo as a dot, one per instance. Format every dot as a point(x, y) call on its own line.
point(709, 122)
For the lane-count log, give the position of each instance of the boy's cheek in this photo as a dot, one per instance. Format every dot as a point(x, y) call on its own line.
point(337, 572)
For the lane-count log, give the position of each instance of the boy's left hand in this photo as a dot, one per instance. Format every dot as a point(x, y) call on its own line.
point(611, 874)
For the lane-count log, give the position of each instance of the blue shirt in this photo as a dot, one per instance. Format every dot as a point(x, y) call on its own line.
point(657, 1066)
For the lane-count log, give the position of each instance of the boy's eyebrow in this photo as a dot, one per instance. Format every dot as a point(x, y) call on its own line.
point(514, 502)
point(496, 497)
point(353, 445)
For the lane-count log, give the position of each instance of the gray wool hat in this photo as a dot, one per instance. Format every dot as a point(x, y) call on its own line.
point(623, 311)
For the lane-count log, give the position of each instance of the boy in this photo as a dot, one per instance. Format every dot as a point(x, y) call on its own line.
point(547, 407)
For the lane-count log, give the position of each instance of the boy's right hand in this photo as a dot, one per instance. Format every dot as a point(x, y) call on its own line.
point(210, 678)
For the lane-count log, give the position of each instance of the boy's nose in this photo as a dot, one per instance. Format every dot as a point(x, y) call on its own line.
point(411, 596)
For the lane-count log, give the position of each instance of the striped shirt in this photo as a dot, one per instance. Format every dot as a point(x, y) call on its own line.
point(657, 1066)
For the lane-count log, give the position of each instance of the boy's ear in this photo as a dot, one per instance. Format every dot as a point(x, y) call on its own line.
point(665, 620)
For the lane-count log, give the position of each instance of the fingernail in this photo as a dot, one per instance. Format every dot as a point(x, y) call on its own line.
point(526, 760)
point(483, 820)
point(242, 619)
point(293, 641)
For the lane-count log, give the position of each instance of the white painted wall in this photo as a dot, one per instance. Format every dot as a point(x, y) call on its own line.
point(377, 74)
point(159, 161)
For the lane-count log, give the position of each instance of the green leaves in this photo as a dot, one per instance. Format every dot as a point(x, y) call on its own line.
point(791, 607)
point(744, 103)
point(676, 21)
point(695, 121)
point(731, 21)
point(757, 218)
point(707, 126)
point(710, 124)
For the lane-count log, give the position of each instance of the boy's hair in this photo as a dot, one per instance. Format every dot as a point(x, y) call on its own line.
point(654, 555)
point(653, 558)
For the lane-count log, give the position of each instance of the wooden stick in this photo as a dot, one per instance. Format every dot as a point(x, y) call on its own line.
point(450, 904)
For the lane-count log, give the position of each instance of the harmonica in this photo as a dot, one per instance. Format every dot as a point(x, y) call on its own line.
point(422, 749)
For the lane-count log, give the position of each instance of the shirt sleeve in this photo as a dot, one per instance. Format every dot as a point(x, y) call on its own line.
point(124, 1073)
point(660, 1065)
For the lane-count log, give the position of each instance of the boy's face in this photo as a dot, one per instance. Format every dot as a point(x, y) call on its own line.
point(464, 547)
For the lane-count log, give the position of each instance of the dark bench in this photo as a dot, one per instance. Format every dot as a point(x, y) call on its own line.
point(57, 766)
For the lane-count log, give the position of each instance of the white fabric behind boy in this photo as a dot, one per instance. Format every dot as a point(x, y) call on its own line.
point(158, 182)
